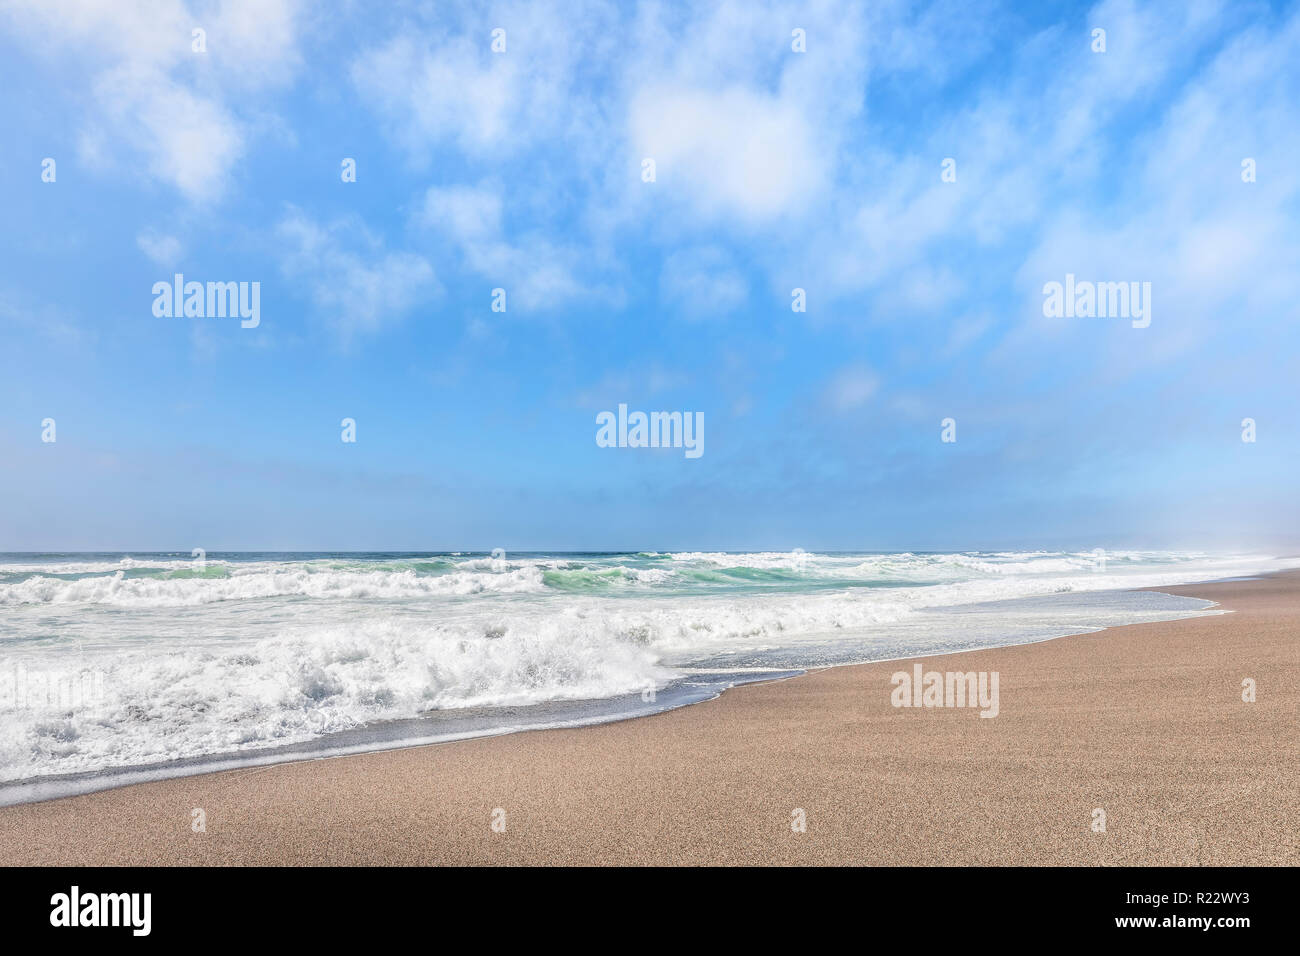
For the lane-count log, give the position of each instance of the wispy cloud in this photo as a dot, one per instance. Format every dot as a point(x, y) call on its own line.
point(346, 272)
point(163, 250)
point(164, 79)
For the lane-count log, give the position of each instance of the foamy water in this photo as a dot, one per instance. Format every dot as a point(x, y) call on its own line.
point(110, 661)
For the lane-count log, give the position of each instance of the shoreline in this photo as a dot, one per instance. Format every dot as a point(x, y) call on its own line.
point(717, 781)
point(377, 736)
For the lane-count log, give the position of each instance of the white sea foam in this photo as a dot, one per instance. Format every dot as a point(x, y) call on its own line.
point(242, 584)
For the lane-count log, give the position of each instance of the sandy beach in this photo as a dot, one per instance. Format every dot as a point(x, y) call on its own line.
point(1145, 722)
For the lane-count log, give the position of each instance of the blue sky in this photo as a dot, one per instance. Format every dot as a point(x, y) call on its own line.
point(774, 170)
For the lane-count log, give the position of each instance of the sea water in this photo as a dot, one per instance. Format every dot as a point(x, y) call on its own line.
point(115, 667)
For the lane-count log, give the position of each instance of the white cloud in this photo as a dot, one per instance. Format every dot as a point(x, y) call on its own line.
point(437, 82)
point(729, 153)
point(187, 140)
point(744, 131)
point(470, 214)
point(537, 273)
point(851, 388)
point(157, 103)
point(702, 281)
point(164, 250)
point(1040, 164)
point(346, 272)
point(458, 92)
point(741, 128)
point(1211, 246)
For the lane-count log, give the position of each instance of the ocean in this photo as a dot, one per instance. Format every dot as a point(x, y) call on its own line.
point(120, 667)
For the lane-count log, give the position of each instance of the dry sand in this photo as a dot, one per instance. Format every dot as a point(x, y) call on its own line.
point(1146, 722)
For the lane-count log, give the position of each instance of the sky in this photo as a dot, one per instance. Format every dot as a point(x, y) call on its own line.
point(920, 171)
